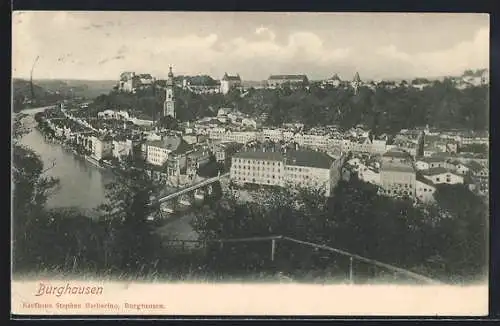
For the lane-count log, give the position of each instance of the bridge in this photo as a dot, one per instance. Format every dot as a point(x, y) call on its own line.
point(188, 189)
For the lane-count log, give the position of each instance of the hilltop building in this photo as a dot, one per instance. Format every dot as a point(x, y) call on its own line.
point(276, 81)
point(229, 82)
point(130, 81)
point(334, 81)
point(356, 82)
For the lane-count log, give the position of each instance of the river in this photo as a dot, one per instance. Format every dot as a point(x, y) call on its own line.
point(81, 184)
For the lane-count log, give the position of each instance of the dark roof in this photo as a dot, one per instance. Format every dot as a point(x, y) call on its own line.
point(169, 142)
point(422, 179)
point(432, 159)
point(397, 168)
point(309, 158)
point(304, 158)
point(396, 154)
point(434, 171)
point(145, 76)
point(260, 155)
point(183, 147)
point(474, 166)
point(288, 77)
point(234, 78)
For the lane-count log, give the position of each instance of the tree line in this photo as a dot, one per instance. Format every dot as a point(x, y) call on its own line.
point(383, 109)
point(446, 240)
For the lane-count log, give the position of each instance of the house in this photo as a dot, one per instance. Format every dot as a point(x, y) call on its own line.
point(369, 174)
point(194, 139)
point(396, 156)
point(229, 82)
point(397, 178)
point(294, 167)
point(477, 170)
point(249, 122)
point(312, 140)
point(101, 147)
point(277, 81)
point(196, 158)
point(441, 175)
point(126, 82)
point(334, 81)
point(425, 189)
point(157, 151)
point(459, 167)
point(224, 151)
point(242, 137)
point(425, 163)
point(121, 147)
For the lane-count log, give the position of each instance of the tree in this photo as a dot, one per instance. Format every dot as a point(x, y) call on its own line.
point(464, 230)
point(132, 244)
point(31, 188)
point(168, 122)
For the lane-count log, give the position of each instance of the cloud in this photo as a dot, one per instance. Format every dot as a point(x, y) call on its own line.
point(462, 56)
point(266, 32)
point(96, 40)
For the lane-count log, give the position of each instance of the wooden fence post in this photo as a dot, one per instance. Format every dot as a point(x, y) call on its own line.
point(351, 279)
point(273, 249)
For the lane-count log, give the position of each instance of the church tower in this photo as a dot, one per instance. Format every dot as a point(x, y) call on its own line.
point(356, 82)
point(169, 104)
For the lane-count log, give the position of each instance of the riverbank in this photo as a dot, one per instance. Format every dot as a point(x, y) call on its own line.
point(50, 137)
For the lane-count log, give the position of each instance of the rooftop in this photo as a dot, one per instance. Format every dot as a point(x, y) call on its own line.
point(435, 171)
point(397, 168)
point(169, 142)
point(432, 159)
point(396, 154)
point(287, 77)
point(260, 155)
point(474, 166)
point(233, 78)
point(304, 158)
point(309, 158)
point(426, 181)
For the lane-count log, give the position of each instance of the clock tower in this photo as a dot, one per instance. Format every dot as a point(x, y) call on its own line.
point(169, 104)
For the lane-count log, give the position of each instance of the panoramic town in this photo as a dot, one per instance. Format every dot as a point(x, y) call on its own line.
point(344, 179)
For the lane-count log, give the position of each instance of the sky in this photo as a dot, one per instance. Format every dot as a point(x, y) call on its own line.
point(101, 45)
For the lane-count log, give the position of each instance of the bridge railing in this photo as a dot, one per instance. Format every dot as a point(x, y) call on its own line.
point(188, 189)
point(273, 249)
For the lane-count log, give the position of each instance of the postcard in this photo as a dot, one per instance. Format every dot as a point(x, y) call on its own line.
point(250, 163)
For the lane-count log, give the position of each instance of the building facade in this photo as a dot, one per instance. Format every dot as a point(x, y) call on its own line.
point(277, 81)
point(229, 82)
point(291, 168)
point(397, 175)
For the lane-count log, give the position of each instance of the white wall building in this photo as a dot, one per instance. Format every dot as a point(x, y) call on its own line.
point(442, 175)
point(295, 168)
point(368, 174)
point(121, 148)
point(425, 190)
point(228, 82)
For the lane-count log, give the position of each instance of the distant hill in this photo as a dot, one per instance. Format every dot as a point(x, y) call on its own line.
point(22, 97)
point(87, 89)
